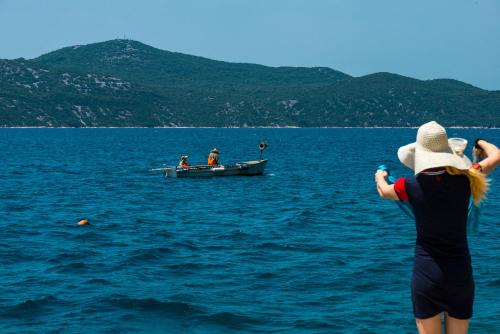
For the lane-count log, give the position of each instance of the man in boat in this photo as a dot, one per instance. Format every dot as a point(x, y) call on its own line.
point(213, 157)
point(183, 163)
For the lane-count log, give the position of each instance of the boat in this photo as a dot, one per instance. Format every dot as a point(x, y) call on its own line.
point(247, 168)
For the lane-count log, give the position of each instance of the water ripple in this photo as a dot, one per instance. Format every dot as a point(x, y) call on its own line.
point(298, 250)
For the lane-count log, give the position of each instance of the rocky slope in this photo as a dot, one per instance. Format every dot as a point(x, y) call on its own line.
point(127, 83)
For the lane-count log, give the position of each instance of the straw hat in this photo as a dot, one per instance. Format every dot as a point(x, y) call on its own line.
point(214, 150)
point(433, 149)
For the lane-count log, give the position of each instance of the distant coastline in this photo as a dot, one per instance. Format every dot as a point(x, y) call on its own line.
point(125, 83)
point(248, 127)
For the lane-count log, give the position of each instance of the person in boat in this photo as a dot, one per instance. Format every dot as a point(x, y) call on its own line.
point(183, 163)
point(213, 157)
point(439, 193)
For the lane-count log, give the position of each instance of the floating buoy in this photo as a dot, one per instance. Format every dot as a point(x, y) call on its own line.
point(83, 222)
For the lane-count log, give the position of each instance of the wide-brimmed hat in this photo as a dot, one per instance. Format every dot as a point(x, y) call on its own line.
point(433, 149)
point(214, 150)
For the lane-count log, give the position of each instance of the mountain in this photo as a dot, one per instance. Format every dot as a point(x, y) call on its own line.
point(127, 83)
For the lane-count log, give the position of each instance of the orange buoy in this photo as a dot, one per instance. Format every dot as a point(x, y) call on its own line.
point(83, 222)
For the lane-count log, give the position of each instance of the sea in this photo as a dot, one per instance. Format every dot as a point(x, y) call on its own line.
point(308, 247)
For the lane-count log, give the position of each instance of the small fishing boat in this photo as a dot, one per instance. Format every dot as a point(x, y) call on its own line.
point(248, 168)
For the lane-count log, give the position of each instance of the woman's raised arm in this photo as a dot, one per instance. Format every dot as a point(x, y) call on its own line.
point(489, 152)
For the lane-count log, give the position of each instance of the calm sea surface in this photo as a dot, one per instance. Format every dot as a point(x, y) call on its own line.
point(307, 248)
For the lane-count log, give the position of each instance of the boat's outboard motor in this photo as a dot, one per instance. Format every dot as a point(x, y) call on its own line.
point(262, 147)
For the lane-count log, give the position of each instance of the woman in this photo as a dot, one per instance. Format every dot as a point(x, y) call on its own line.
point(439, 195)
point(213, 157)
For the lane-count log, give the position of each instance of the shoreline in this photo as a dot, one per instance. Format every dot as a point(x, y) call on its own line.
point(236, 127)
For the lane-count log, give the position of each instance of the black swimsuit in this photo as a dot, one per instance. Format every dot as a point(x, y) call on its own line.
point(442, 274)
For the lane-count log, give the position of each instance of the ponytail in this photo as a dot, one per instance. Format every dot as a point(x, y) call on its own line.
point(478, 182)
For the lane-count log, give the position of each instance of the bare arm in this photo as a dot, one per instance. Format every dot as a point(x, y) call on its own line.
point(384, 189)
point(490, 153)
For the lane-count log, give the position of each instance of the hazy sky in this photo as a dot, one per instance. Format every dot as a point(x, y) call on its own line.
point(425, 39)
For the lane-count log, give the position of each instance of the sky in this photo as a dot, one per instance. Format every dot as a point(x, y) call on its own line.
point(424, 39)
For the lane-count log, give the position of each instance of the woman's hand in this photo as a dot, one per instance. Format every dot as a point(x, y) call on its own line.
point(478, 153)
point(384, 189)
point(380, 174)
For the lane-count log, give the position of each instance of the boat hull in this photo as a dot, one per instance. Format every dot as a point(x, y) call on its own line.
point(247, 168)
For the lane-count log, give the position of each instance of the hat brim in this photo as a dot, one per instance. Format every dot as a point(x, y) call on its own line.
point(415, 157)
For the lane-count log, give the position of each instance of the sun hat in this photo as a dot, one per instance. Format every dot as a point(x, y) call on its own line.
point(433, 149)
point(214, 150)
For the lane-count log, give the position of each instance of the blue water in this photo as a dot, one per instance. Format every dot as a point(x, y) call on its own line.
point(307, 248)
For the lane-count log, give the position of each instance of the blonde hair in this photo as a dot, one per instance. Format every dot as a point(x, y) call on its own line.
point(479, 183)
